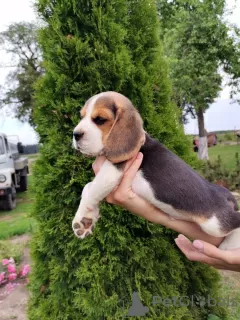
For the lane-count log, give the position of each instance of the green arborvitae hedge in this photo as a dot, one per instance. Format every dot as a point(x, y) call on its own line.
point(89, 47)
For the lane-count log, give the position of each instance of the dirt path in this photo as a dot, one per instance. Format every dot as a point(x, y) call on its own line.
point(13, 305)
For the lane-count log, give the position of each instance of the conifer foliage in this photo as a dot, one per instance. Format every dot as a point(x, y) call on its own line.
point(89, 47)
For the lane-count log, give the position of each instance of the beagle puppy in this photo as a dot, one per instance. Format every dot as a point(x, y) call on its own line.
point(112, 127)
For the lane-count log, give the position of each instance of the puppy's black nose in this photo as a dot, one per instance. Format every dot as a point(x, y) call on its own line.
point(78, 135)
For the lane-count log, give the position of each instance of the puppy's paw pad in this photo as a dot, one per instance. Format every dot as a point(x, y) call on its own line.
point(76, 225)
point(84, 227)
point(86, 222)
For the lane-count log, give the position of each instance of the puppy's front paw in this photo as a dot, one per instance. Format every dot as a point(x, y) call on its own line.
point(85, 220)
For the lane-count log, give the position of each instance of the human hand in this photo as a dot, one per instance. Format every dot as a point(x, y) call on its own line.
point(123, 194)
point(205, 252)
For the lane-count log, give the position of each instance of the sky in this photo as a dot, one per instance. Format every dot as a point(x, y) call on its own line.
point(222, 115)
point(14, 11)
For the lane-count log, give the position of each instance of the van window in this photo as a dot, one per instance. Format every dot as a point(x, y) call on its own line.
point(1, 146)
point(6, 144)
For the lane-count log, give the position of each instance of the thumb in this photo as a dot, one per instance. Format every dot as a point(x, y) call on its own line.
point(96, 166)
point(212, 251)
point(130, 173)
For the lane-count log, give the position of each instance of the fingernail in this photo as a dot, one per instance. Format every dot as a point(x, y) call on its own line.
point(198, 244)
point(178, 242)
point(140, 155)
point(181, 236)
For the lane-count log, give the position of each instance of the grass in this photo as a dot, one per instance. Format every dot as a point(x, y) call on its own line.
point(227, 154)
point(230, 291)
point(16, 226)
point(18, 221)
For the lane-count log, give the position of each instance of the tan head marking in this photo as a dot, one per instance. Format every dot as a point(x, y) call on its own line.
point(110, 126)
point(122, 132)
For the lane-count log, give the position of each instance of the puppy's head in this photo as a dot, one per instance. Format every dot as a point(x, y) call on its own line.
point(110, 126)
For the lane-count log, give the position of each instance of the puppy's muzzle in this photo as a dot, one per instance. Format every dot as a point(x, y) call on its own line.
point(78, 135)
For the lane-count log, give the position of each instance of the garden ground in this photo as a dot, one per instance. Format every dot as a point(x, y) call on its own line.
point(13, 305)
point(15, 232)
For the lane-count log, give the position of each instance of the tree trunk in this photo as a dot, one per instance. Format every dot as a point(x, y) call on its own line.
point(202, 142)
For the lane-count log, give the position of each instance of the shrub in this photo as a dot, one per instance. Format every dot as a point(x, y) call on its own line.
point(88, 48)
point(228, 136)
point(217, 173)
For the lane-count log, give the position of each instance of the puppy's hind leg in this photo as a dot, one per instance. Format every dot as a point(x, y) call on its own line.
point(231, 241)
point(225, 225)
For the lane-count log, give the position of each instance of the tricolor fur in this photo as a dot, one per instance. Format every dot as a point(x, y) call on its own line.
point(111, 126)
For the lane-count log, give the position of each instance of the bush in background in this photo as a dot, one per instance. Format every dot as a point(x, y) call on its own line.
point(216, 172)
point(229, 136)
point(88, 48)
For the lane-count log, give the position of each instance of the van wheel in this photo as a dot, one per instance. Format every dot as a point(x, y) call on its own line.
point(10, 202)
point(23, 183)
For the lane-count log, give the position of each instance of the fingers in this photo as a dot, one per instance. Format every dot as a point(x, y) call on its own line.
point(129, 163)
point(132, 168)
point(193, 254)
point(229, 256)
point(98, 163)
point(123, 193)
point(206, 253)
point(100, 160)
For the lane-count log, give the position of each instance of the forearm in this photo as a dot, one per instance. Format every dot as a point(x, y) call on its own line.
point(140, 207)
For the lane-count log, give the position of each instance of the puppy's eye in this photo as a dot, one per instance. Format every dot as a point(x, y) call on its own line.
point(99, 120)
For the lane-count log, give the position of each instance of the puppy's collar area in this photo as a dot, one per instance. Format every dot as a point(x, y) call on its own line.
point(121, 165)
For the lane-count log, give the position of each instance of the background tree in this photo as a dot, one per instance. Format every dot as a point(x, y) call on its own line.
point(199, 44)
point(20, 40)
point(88, 47)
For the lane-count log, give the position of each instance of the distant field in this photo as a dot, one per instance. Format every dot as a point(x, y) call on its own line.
point(226, 152)
point(17, 221)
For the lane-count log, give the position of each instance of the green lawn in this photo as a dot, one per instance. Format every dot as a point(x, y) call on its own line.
point(15, 226)
point(31, 156)
point(227, 154)
point(17, 221)
point(230, 291)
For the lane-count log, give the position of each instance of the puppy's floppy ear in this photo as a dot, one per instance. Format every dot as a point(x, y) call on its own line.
point(126, 135)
